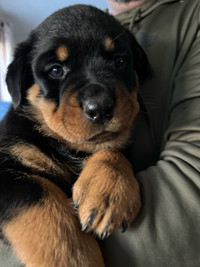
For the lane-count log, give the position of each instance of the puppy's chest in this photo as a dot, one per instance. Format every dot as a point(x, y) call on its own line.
point(53, 161)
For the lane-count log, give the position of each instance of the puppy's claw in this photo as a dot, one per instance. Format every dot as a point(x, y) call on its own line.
point(124, 226)
point(92, 216)
point(90, 220)
point(76, 205)
point(84, 227)
point(104, 235)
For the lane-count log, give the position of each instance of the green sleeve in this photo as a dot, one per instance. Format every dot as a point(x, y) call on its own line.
point(8, 257)
point(167, 231)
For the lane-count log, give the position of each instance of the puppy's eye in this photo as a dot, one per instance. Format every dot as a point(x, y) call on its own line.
point(56, 72)
point(120, 62)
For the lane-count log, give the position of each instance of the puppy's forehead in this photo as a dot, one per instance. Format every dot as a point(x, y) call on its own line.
point(78, 28)
point(78, 21)
point(63, 50)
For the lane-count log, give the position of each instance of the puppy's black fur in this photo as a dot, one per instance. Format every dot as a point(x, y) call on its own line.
point(71, 83)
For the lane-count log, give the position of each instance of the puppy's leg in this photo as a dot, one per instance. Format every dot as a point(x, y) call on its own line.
point(47, 233)
point(106, 193)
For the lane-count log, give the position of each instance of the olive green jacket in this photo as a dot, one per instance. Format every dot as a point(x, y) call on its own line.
point(167, 141)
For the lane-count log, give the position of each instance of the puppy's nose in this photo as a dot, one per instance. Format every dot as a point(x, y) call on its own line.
point(99, 111)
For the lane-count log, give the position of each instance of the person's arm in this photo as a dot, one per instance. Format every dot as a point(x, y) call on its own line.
point(171, 189)
point(167, 232)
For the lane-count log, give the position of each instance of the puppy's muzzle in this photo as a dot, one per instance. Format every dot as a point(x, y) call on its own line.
point(98, 104)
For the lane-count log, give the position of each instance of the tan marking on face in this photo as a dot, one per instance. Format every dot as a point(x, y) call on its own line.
point(126, 110)
point(109, 45)
point(49, 234)
point(33, 112)
point(68, 123)
point(62, 53)
point(33, 92)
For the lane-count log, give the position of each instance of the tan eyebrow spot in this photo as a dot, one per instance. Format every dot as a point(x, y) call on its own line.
point(62, 53)
point(109, 44)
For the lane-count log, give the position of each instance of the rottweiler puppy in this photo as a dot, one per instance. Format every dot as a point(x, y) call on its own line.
point(74, 85)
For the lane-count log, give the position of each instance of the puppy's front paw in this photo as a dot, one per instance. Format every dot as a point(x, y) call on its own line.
point(106, 194)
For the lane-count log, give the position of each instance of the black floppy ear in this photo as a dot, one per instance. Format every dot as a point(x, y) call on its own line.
point(141, 63)
point(19, 75)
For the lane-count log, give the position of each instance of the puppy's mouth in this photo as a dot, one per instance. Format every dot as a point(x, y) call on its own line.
point(104, 136)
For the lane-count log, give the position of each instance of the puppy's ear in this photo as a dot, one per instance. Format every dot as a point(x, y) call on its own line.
point(19, 75)
point(141, 63)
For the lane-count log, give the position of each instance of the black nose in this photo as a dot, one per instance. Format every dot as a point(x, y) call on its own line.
point(99, 110)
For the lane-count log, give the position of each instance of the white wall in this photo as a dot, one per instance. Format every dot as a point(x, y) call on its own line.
point(25, 15)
